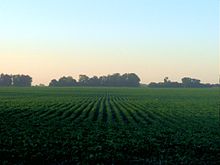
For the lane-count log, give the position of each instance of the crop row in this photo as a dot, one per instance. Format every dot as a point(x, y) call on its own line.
point(101, 109)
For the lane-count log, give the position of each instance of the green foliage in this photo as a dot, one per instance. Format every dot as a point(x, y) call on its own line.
point(187, 82)
point(15, 80)
point(114, 80)
point(21, 80)
point(109, 126)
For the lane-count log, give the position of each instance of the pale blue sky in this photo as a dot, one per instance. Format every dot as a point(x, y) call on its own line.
point(152, 38)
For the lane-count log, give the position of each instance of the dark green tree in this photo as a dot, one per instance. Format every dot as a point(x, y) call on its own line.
point(67, 81)
point(83, 80)
point(94, 81)
point(132, 80)
point(21, 80)
point(5, 80)
point(190, 82)
point(54, 83)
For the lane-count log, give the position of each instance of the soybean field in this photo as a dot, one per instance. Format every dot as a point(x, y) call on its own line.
point(41, 125)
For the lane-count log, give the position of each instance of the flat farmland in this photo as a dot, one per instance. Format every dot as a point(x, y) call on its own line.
point(109, 126)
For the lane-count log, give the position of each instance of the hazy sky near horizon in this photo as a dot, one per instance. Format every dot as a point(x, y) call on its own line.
point(52, 38)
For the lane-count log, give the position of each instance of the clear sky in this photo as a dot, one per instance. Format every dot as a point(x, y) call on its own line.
point(154, 38)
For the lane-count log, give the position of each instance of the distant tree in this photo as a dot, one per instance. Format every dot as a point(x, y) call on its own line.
point(53, 83)
point(67, 81)
point(83, 80)
point(21, 80)
point(94, 81)
point(166, 84)
point(166, 80)
point(63, 82)
point(114, 80)
point(132, 79)
point(117, 80)
point(5, 80)
point(187, 82)
point(153, 85)
point(190, 82)
point(40, 85)
point(103, 80)
point(111, 80)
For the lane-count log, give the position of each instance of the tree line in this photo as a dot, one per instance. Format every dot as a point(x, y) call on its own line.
point(114, 80)
point(7, 80)
point(186, 82)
